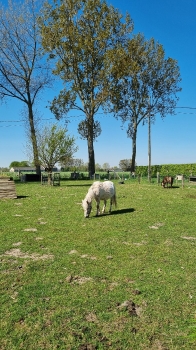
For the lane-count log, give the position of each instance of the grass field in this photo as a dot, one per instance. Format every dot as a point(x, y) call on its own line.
point(120, 281)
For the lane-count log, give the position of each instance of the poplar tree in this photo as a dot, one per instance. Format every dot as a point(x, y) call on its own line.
point(145, 84)
point(81, 37)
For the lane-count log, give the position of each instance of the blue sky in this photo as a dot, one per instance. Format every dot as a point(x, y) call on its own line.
point(170, 22)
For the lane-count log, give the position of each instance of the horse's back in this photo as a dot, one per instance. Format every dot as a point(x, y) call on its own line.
point(103, 190)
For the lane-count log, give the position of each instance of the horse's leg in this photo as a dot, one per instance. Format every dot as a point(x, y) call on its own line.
point(103, 210)
point(98, 210)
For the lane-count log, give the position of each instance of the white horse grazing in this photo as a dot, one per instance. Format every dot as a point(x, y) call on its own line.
point(99, 191)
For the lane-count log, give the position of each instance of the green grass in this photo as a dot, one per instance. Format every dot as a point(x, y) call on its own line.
point(120, 281)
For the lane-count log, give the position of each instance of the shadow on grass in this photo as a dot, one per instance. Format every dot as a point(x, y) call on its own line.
point(122, 211)
point(115, 212)
point(172, 188)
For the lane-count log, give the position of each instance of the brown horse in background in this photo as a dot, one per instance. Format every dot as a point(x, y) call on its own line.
point(167, 180)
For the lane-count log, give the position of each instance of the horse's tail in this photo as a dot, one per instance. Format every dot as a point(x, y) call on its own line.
point(114, 200)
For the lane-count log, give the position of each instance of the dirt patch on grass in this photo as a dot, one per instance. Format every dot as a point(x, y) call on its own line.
point(30, 230)
point(17, 253)
point(17, 244)
point(157, 345)
point(86, 256)
point(157, 225)
point(91, 317)
point(139, 243)
point(73, 251)
point(191, 196)
point(78, 279)
point(189, 238)
point(131, 307)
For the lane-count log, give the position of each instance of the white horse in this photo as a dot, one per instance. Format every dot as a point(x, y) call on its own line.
point(99, 191)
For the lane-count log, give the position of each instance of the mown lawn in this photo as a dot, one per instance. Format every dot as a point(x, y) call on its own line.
point(120, 281)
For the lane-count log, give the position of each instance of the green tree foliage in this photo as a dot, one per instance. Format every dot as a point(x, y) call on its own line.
point(82, 36)
point(55, 146)
point(14, 164)
point(125, 164)
point(23, 163)
point(145, 84)
point(83, 129)
point(23, 73)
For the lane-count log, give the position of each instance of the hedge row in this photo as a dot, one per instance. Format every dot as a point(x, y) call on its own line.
point(168, 169)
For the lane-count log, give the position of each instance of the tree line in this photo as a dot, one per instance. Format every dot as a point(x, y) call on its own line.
point(78, 165)
point(91, 48)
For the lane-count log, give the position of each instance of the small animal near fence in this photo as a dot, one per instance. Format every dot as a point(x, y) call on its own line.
point(7, 188)
point(169, 180)
point(166, 181)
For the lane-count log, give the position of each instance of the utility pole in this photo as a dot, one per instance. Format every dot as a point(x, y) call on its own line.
point(149, 142)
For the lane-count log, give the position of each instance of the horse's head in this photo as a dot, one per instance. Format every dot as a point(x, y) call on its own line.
point(87, 208)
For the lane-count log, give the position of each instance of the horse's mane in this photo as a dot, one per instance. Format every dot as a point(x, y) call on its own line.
point(90, 195)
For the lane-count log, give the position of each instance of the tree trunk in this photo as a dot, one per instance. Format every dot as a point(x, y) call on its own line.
point(134, 137)
point(34, 140)
point(91, 156)
point(91, 167)
point(49, 178)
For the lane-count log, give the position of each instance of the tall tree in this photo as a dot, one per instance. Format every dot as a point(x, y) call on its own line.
point(23, 72)
point(146, 84)
point(78, 35)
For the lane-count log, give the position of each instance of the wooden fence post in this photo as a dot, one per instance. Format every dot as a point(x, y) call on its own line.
point(182, 181)
point(158, 177)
